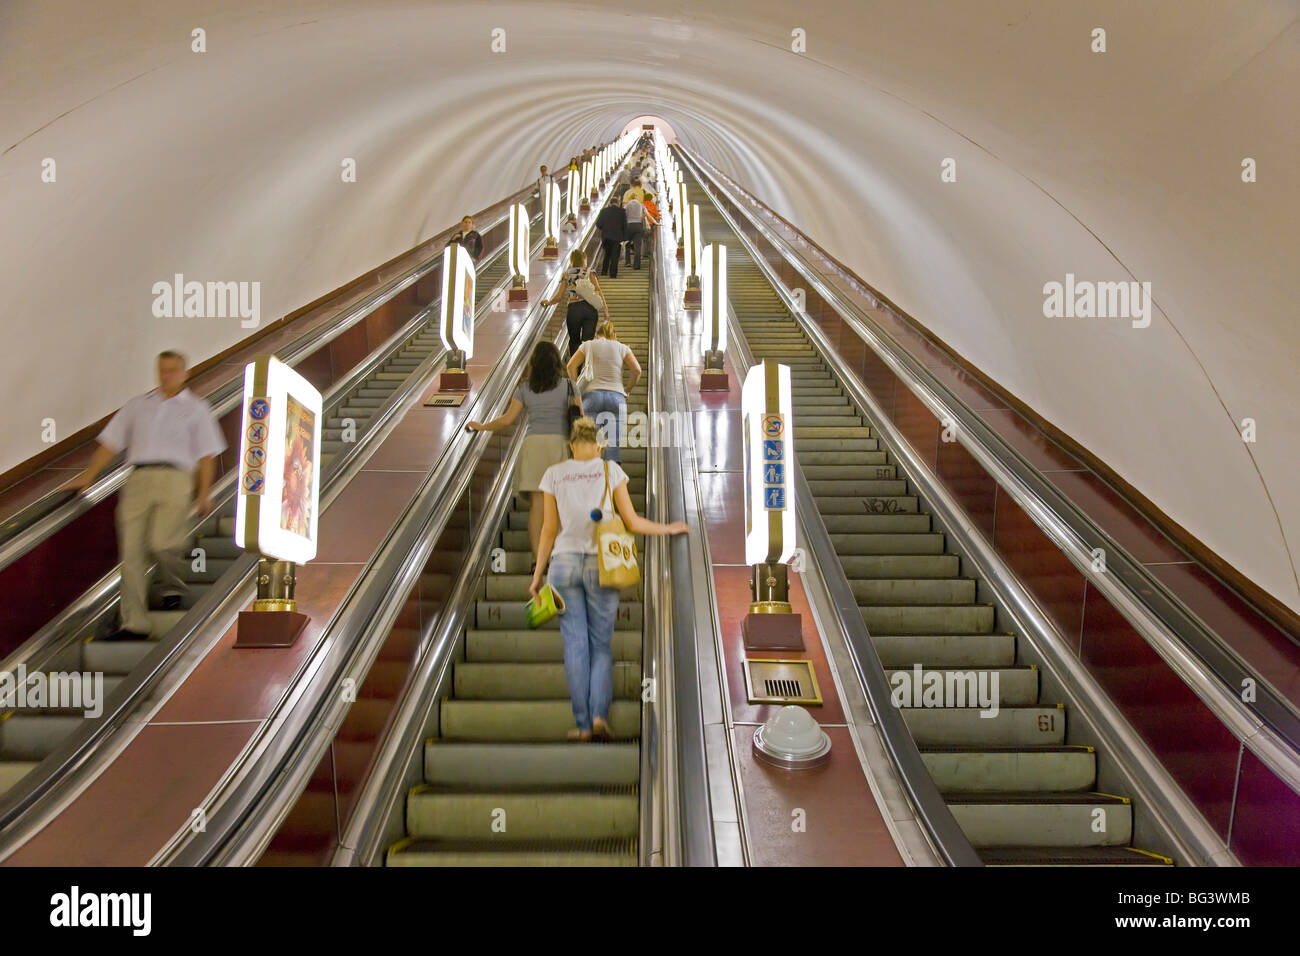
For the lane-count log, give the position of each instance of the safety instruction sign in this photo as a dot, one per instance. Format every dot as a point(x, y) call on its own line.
point(774, 484)
point(252, 480)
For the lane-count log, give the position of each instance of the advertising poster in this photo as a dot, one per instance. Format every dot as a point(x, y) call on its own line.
point(296, 498)
point(467, 297)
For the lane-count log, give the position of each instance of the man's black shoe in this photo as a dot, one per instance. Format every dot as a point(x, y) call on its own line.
point(122, 634)
point(171, 602)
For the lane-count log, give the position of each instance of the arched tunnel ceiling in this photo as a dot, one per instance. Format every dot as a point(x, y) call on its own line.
point(1126, 164)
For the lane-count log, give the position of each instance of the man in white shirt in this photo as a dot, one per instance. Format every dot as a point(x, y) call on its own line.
point(542, 182)
point(167, 434)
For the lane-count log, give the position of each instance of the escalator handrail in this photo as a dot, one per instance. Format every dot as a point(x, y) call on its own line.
point(263, 789)
point(59, 507)
point(675, 721)
point(60, 772)
point(1270, 728)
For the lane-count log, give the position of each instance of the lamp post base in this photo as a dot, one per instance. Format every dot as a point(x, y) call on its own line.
point(269, 628)
point(714, 380)
point(773, 632)
point(454, 380)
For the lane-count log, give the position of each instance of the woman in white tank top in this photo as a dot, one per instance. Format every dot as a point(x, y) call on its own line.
point(604, 398)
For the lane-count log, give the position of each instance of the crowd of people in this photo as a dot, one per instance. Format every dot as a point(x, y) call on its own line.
point(569, 465)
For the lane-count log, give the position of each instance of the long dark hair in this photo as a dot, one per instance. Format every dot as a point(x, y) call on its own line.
point(545, 368)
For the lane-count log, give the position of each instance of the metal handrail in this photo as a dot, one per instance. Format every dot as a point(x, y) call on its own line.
point(59, 771)
point(679, 801)
point(60, 507)
point(1270, 727)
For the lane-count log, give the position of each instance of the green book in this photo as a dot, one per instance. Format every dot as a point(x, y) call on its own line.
point(545, 606)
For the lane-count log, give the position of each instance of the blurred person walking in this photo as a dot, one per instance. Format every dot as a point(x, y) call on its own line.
point(171, 439)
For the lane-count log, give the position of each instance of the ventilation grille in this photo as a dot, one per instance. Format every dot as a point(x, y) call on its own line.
point(781, 682)
point(452, 401)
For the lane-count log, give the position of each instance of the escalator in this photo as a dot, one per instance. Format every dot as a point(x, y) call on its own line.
point(502, 786)
point(1022, 791)
point(27, 737)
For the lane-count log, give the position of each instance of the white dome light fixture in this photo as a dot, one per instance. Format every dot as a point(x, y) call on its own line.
point(792, 740)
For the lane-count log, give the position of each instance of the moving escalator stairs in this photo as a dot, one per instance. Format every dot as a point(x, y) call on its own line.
point(502, 786)
point(27, 737)
point(1020, 793)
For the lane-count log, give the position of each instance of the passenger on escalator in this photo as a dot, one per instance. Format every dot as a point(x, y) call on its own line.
point(612, 223)
point(542, 180)
point(622, 181)
point(172, 439)
point(546, 394)
point(582, 292)
point(468, 237)
point(635, 191)
point(574, 500)
point(603, 395)
point(639, 221)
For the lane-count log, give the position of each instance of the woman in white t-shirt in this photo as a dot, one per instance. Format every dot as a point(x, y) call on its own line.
point(574, 501)
point(603, 397)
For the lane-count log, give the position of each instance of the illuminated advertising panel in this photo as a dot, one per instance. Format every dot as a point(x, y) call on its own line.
point(573, 192)
point(458, 278)
point(519, 245)
point(713, 295)
point(768, 438)
point(551, 210)
point(278, 506)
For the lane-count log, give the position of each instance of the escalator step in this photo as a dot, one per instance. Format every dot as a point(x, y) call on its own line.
point(610, 852)
point(1070, 856)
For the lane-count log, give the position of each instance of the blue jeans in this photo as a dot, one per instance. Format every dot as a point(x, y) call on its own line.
point(587, 626)
point(614, 406)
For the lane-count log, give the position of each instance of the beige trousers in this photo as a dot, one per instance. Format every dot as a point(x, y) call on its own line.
point(151, 526)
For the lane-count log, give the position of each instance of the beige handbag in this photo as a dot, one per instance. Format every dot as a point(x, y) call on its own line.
point(616, 548)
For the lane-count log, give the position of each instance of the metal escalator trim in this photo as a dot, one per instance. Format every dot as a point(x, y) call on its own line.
point(1174, 812)
point(71, 766)
point(933, 816)
point(676, 796)
point(58, 508)
point(1215, 673)
point(266, 780)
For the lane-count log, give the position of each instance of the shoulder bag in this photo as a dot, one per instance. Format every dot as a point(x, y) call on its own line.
point(616, 547)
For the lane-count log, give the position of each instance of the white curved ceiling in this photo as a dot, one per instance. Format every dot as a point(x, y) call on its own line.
point(1119, 165)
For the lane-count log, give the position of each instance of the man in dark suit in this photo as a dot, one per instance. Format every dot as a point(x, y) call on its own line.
point(612, 223)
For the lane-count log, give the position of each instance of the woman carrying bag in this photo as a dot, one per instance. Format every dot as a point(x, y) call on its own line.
point(584, 295)
point(550, 398)
point(603, 397)
point(583, 499)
